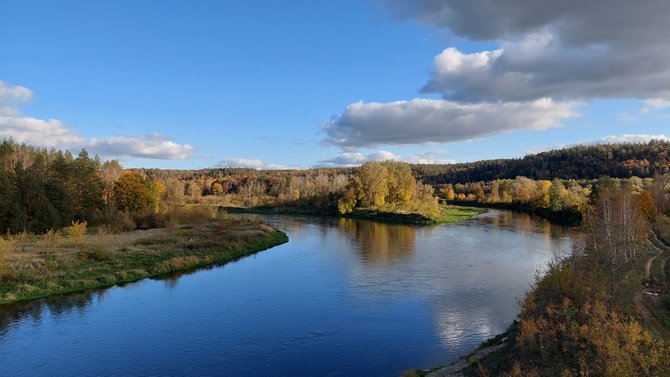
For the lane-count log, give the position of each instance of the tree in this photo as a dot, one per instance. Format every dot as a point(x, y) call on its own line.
point(111, 171)
point(647, 204)
point(135, 194)
point(450, 194)
point(556, 194)
point(401, 183)
point(374, 177)
point(347, 202)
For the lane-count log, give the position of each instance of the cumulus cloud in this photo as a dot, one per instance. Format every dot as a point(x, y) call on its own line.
point(548, 56)
point(14, 93)
point(424, 120)
point(40, 132)
point(349, 159)
point(610, 139)
point(149, 146)
point(358, 158)
point(438, 157)
point(249, 164)
point(629, 138)
point(53, 133)
point(557, 49)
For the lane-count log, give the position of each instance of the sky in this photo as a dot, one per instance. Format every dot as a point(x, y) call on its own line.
point(301, 84)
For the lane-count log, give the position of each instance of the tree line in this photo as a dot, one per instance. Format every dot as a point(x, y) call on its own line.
point(42, 189)
point(580, 162)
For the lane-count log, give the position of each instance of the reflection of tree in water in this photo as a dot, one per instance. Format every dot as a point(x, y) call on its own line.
point(379, 241)
point(523, 222)
point(64, 305)
point(55, 306)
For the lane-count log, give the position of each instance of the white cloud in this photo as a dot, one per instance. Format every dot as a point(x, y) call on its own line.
point(629, 138)
point(610, 139)
point(429, 158)
point(560, 49)
point(39, 132)
point(250, 164)
point(655, 104)
point(547, 57)
point(422, 121)
point(14, 93)
point(149, 146)
point(349, 159)
point(53, 133)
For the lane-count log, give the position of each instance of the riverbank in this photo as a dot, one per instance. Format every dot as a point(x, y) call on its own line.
point(568, 217)
point(614, 331)
point(38, 266)
point(444, 215)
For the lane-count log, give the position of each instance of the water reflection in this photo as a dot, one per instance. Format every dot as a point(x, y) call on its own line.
point(378, 241)
point(77, 303)
point(343, 297)
point(522, 222)
point(54, 306)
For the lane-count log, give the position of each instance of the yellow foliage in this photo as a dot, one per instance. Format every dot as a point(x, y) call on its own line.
point(450, 194)
point(76, 232)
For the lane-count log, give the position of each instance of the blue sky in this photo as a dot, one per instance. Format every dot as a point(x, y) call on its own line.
point(182, 84)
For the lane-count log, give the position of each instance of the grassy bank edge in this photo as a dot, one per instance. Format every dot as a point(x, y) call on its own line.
point(449, 214)
point(128, 276)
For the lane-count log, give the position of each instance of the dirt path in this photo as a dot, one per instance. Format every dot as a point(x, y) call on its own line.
point(647, 266)
point(456, 368)
point(662, 249)
point(643, 299)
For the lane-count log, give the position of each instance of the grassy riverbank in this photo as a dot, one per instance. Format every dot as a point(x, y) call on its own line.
point(442, 215)
point(34, 266)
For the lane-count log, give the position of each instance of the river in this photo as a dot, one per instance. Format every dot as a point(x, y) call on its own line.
point(343, 297)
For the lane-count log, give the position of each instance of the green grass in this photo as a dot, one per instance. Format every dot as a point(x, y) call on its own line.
point(388, 213)
point(443, 214)
point(30, 271)
point(451, 214)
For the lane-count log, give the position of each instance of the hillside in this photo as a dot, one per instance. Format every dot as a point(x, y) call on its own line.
point(579, 162)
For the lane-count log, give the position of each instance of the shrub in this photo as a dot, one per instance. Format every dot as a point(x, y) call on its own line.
point(192, 214)
point(76, 232)
point(103, 231)
point(100, 253)
point(52, 239)
point(6, 249)
point(123, 222)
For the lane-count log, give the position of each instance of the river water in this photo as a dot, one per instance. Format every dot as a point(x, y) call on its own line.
point(343, 298)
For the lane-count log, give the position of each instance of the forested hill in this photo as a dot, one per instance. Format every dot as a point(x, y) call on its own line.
point(580, 162)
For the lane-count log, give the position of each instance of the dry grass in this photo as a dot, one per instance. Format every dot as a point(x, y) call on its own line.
point(33, 267)
point(52, 239)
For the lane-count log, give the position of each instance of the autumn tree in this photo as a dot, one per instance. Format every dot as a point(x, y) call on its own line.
point(450, 195)
point(374, 178)
point(134, 193)
point(111, 171)
point(401, 183)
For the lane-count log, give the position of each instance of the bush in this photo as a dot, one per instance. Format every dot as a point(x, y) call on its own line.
point(100, 253)
point(192, 214)
point(6, 249)
point(103, 231)
point(123, 222)
point(76, 232)
point(52, 239)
